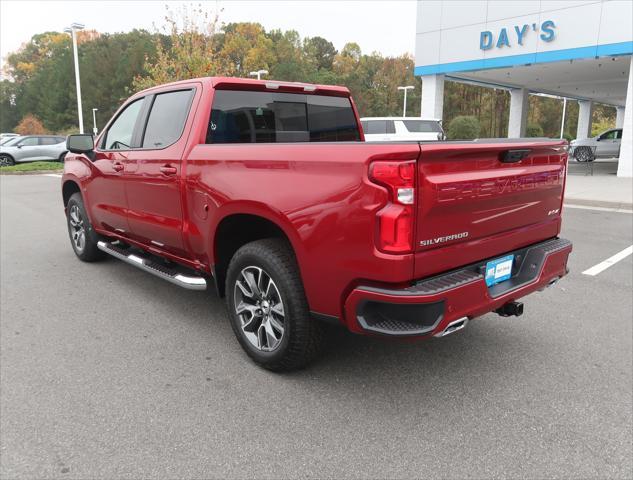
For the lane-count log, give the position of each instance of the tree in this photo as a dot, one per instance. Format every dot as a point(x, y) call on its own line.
point(464, 128)
point(9, 114)
point(192, 50)
point(30, 125)
point(534, 130)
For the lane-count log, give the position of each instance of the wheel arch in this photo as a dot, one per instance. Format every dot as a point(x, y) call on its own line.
point(69, 188)
point(237, 229)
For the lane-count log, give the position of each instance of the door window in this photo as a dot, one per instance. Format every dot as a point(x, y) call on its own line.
point(611, 135)
point(29, 142)
point(48, 141)
point(119, 135)
point(380, 127)
point(167, 118)
point(422, 126)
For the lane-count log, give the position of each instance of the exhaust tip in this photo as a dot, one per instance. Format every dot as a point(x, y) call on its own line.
point(511, 309)
point(454, 326)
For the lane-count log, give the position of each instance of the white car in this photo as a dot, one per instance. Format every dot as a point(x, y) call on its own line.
point(391, 129)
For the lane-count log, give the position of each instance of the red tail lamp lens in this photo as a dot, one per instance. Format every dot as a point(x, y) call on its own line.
point(396, 219)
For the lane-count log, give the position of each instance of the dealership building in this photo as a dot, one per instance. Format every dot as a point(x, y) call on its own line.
point(574, 49)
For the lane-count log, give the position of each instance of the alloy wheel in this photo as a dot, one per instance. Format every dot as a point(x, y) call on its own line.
point(260, 308)
point(77, 228)
point(5, 161)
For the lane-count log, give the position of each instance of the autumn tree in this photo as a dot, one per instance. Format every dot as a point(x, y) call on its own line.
point(30, 125)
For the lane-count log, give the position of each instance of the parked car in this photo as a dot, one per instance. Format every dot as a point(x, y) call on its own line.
point(267, 190)
point(31, 148)
point(607, 144)
point(393, 129)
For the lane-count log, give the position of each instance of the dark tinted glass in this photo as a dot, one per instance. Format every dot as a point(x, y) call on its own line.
point(167, 118)
point(379, 127)
point(49, 140)
point(268, 117)
point(422, 126)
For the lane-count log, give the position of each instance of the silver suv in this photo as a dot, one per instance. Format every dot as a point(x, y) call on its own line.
point(32, 148)
point(607, 144)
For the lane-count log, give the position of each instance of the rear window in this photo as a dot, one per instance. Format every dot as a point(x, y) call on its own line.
point(378, 127)
point(422, 126)
point(270, 117)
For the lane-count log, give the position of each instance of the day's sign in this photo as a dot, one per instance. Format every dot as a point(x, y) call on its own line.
point(508, 36)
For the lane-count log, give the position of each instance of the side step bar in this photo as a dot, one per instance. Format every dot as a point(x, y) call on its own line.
point(183, 280)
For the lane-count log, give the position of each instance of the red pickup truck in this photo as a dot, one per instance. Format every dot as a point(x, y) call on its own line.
point(268, 189)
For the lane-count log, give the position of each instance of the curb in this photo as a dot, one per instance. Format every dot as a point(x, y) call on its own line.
point(598, 203)
point(32, 172)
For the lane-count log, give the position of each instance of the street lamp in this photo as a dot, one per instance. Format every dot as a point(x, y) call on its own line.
point(94, 121)
point(404, 108)
point(73, 33)
point(259, 74)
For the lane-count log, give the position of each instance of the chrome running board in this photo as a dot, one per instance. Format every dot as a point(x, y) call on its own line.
point(174, 276)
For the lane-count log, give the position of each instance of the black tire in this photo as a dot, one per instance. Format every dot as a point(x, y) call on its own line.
point(76, 220)
point(61, 158)
point(6, 160)
point(302, 336)
point(584, 154)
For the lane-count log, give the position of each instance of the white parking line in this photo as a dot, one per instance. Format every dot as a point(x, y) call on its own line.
point(56, 175)
point(599, 209)
point(596, 269)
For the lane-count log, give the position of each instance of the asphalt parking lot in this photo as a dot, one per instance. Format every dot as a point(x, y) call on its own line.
point(108, 372)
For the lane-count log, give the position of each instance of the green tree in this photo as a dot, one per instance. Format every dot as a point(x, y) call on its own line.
point(464, 127)
point(534, 130)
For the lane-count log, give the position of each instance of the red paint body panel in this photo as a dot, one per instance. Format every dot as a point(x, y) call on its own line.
point(321, 197)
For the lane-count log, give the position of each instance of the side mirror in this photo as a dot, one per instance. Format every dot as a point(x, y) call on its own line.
point(19, 145)
point(81, 143)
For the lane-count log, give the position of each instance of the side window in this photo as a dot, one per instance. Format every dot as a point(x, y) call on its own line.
point(48, 141)
point(29, 142)
point(119, 135)
point(376, 127)
point(618, 134)
point(391, 128)
point(610, 135)
point(167, 118)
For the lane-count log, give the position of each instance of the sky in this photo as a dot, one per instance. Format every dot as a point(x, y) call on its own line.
point(386, 26)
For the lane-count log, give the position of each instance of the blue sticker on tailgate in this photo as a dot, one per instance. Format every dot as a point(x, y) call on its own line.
point(499, 270)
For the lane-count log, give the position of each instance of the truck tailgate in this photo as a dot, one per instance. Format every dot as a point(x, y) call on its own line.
point(477, 201)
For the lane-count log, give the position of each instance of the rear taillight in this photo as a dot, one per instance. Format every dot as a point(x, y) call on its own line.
point(394, 233)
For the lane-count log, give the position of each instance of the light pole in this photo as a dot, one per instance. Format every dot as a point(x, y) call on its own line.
point(404, 108)
point(73, 33)
point(94, 121)
point(259, 74)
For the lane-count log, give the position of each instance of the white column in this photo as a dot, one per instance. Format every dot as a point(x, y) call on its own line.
point(585, 109)
point(517, 122)
point(625, 162)
point(619, 117)
point(432, 105)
